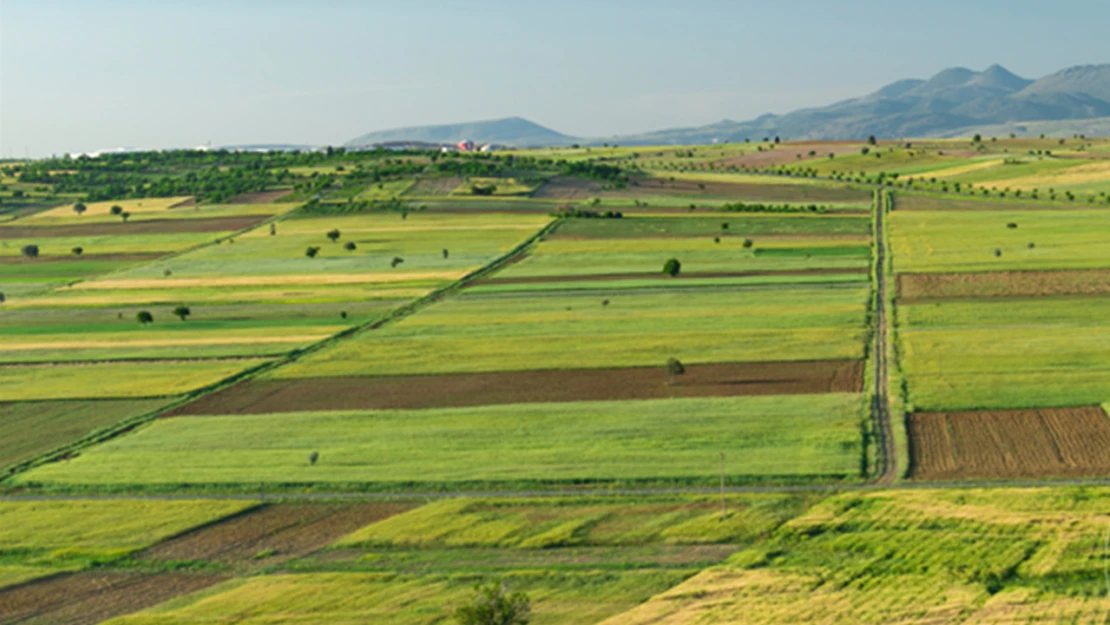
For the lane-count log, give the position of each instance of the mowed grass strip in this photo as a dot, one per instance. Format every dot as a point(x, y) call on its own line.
point(33, 428)
point(944, 241)
point(101, 527)
point(122, 380)
point(575, 331)
point(1038, 353)
point(391, 599)
point(761, 437)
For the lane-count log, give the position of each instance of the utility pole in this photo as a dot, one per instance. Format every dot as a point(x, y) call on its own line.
point(724, 512)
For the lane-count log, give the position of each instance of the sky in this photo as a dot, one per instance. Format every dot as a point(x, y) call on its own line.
point(83, 75)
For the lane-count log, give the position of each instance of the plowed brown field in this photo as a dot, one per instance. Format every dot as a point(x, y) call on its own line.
point(483, 389)
point(150, 226)
point(915, 287)
point(279, 531)
point(91, 597)
point(1051, 442)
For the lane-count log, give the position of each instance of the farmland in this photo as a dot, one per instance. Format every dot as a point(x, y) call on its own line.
point(347, 386)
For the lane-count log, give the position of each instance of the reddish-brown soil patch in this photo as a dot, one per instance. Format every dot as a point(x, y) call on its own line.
point(258, 197)
point(679, 278)
point(151, 226)
point(1049, 442)
point(281, 531)
point(919, 287)
point(434, 186)
point(18, 260)
point(787, 153)
point(483, 389)
point(91, 597)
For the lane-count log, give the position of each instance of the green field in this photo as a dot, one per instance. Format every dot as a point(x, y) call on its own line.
point(997, 556)
point(542, 331)
point(129, 379)
point(1006, 354)
point(762, 438)
point(924, 241)
point(90, 527)
point(552, 524)
point(348, 598)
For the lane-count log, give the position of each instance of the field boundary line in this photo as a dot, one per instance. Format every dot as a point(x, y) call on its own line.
point(109, 432)
point(880, 398)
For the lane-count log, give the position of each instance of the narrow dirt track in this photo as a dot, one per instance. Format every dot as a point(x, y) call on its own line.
point(880, 400)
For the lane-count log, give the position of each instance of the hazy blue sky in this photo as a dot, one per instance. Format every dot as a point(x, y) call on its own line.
point(84, 75)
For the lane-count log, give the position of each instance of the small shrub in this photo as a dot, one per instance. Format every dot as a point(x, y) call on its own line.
point(333, 235)
point(30, 251)
point(144, 317)
point(672, 267)
point(350, 246)
point(312, 251)
point(77, 251)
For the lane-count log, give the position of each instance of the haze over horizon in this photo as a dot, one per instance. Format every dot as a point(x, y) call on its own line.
point(158, 75)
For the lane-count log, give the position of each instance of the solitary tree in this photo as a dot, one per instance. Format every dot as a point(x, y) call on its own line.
point(674, 369)
point(77, 251)
point(724, 226)
point(977, 138)
point(79, 208)
point(397, 260)
point(2, 298)
point(311, 252)
point(333, 235)
point(350, 246)
point(871, 140)
point(445, 252)
point(124, 215)
point(672, 267)
point(144, 317)
point(273, 229)
point(31, 251)
point(747, 243)
point(182, 311)
point(493, 605)
point(116, 210)
point(313, 457)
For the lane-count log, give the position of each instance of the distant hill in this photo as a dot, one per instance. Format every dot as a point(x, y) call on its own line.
point(514, 131)
point(955, 102)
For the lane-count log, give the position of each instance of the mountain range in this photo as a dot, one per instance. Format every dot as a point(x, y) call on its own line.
point(954, 102)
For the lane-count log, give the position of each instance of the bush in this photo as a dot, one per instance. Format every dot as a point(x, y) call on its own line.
point(483, 189)
point(493, 605)
point(311, 252)
point(350, 246)
point(333, 235)
point(77, 251)
point(672, 267)
point(182, 311)
point(31, 251)
point(144, 317)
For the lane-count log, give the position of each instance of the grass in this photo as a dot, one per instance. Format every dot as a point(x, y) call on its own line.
point(384, 190)
point(120, 380)
point(1007, 353)
point(60, 530)
point(108, 244)
point(502, 186)
point(929, 241)
point(761, 437)
point(571, 257)
point(561, 330)
point(12, 574)
point(549, 524)
point(389, 599)
point(953, 556)
point(34, 428)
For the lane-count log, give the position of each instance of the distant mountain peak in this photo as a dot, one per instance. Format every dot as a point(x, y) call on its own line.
point(956, 99)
